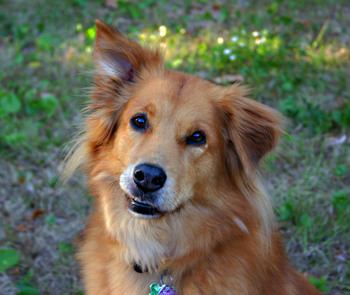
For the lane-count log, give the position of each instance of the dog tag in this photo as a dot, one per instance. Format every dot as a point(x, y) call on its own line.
point(162, 290)
point(165, 288)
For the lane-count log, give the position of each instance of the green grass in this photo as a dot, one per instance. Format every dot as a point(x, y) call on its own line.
point(294, 55)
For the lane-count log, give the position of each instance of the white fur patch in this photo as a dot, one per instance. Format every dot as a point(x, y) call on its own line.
point(241, 225)
point(126, 178)
point(110, 70)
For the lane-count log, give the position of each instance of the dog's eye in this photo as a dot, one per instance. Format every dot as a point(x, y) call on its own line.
point(197, 138)
point(139, 122)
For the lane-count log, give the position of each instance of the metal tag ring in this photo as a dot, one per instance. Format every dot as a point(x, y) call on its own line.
point(164, 276)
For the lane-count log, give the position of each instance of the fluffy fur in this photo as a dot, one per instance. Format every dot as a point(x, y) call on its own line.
point(216, 233)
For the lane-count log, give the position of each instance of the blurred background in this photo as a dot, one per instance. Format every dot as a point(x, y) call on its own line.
point(293, 54)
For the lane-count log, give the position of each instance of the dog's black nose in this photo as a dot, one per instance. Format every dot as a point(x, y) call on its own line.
point(149, 178)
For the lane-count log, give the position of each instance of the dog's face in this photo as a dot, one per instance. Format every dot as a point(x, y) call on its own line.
point(167, 143)
point(162, 149)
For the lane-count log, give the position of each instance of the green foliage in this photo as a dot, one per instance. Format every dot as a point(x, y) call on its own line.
point(269, 161)
point(50, 220)
point(340, 201)
point(90, 33)
point(14, 139)
point(65, 249)
point(312, 116)
point(18, 106)
point(341, 170)
point(26, 288)
point(135, 9)
point(305, 220)
point(320, 284)
point(9, 103)
point(8, 258)
point(286, 211)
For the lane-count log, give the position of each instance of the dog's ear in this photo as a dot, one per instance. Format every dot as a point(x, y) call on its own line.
point(251, 130)
point(119, 57)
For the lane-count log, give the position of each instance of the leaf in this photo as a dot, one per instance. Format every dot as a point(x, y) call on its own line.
point(287, 86)
point(50, 220)
point(9, 103)
point(289, 106)
point(27, 277)
point(65, 248)
point(14, 138)
point(341, 170)
point(286, 211)
point(273, 8)
point(135, 12)
point(8, 258)
point(45, 42)
point(28, 290)
point(286, 19)
point(36, 213)
point(224, 13)
point(268, 160)
point(340, 201)
point(320, 284)
point(80, 3)
point(337, 117)
point(90, 33)
point(48, 103)
point(306, 220)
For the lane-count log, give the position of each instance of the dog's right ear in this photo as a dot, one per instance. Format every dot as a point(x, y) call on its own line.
point(119, 57)
point(252, 130)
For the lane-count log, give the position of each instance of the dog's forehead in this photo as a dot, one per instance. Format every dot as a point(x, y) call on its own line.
point(180, 96)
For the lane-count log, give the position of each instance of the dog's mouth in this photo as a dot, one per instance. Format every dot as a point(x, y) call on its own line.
point(142, 209)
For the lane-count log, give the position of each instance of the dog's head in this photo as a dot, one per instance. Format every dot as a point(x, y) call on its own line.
point(158, 142)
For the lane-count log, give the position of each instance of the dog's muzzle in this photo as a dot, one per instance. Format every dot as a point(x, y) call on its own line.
point(148, 179)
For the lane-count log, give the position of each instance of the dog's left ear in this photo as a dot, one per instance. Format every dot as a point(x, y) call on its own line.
point(252, 129)
point(119, 57)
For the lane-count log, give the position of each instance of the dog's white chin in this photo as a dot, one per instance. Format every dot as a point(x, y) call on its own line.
point(143, 216)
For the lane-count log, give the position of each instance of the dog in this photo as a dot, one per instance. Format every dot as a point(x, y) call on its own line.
point(172, 160)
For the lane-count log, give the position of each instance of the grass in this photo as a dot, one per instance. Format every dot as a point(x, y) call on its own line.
point(295, 56)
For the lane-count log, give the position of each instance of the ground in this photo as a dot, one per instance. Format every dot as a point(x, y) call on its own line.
point(293, 54)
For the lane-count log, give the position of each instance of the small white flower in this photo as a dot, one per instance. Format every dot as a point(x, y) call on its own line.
point(162, 31)
point(234, 39)
point(255, 33)
point(232, 57)
point(220, 40)
point(227, 51)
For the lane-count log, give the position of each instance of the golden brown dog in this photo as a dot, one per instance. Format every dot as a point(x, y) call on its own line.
point(172, 160)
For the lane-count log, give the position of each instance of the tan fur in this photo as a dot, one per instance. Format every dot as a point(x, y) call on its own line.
point(217, 234)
